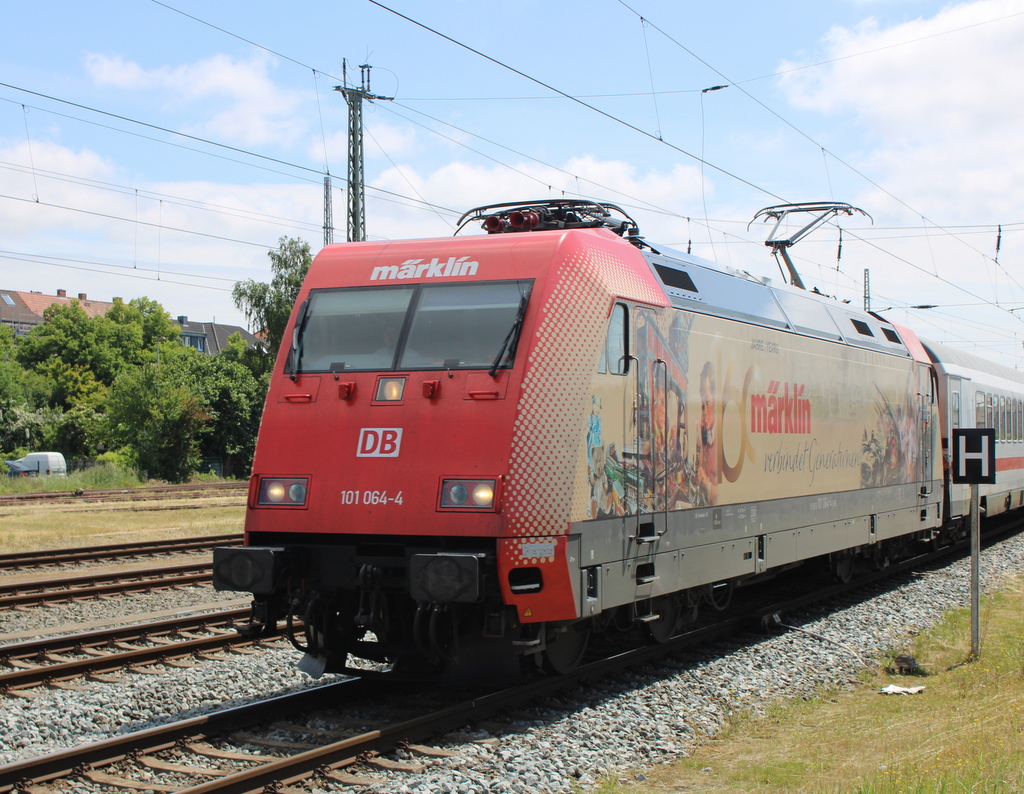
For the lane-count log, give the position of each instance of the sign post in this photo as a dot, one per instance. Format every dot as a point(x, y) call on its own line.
point(974, 462)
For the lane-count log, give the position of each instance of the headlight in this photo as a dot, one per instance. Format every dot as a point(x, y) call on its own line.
point(483, 494)
point(283, 491)
point(390, 389)
point(468, 494)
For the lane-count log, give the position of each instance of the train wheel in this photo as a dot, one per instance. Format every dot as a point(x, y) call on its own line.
point(664, 626)
point(564, 652)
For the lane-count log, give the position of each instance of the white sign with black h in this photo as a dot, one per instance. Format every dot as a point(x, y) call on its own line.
point(974, 455)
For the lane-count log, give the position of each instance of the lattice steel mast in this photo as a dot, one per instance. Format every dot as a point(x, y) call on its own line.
point(328, 212)
point(356, 221)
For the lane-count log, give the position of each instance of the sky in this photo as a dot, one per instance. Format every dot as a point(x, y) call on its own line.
point(161, 149)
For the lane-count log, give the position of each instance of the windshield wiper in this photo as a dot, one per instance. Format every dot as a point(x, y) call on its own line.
point(512, 338)
point(300, 326)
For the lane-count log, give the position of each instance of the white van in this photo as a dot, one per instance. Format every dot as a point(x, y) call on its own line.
point(43, 463)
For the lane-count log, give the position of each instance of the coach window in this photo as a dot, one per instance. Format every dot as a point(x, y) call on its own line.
point(990, 411)
point(614, 358)
point(979, 409)
point(954, 408)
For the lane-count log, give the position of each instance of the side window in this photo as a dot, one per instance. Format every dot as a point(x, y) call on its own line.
point(614, 357)
point(1001, 421)
point(990, 412)
point(954, 406)
point(979, 409)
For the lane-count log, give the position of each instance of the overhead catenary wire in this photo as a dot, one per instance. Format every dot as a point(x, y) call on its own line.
point(302, 168)
point(122, 271)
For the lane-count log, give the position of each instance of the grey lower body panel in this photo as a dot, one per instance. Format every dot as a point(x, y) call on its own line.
point(623, 560)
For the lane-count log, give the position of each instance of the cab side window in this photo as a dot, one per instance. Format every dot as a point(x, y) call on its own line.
point(615, 356)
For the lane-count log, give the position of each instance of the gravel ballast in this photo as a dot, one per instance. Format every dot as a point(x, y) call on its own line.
point(625, 725)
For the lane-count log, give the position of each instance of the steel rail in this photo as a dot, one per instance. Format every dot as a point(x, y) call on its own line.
point(119, 662)
point(69, 589)
point(21, 775)
point(46, 670)
point(114, 551)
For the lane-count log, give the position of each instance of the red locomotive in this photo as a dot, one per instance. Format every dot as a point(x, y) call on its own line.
point(483, 449)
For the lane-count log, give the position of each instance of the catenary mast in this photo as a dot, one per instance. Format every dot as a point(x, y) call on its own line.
point(356, 221)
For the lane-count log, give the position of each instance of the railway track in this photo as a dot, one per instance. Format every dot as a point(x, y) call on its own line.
point(49, 591)
point(114, 551)
point(119, 649)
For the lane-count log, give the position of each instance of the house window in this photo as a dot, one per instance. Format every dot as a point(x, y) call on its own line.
point(198, 342)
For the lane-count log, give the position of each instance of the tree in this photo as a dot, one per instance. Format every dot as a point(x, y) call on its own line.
point(104, 345)
point(69, 336)
point(231, 395)
point(267, 306)
point(157, 422)
point(77, 432)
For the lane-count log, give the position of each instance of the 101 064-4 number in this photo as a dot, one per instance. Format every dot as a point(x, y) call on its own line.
point(370, 498)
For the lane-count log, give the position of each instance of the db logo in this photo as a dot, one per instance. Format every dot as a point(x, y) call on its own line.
point(379, 442)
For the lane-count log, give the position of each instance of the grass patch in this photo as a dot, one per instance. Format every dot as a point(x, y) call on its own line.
point(39, 527)
point(102, 477)
point(964, 733)
point(45, 527)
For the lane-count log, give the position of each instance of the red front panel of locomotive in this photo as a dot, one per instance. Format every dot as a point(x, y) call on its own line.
point(393, 398)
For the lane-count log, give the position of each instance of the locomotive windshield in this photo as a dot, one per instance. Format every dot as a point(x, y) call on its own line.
point(426, 326)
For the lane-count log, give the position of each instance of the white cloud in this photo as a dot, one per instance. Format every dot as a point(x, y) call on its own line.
point(939, 102)
point(244, 103)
